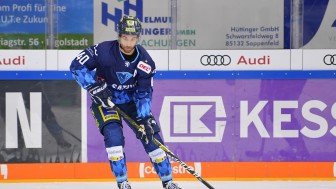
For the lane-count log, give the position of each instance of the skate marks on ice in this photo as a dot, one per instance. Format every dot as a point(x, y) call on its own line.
point(183, 184)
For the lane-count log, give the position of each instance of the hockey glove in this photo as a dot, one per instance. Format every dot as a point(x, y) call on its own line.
point(100, 94)
point(146, 132)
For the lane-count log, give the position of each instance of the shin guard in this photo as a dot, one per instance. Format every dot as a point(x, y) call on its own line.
point(161, 164)
point(117, 162)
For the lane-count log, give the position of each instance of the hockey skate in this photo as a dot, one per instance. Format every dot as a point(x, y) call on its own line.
point(171, 185)
point(124, 185)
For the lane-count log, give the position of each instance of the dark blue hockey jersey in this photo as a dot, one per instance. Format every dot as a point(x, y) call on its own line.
point(128, 81)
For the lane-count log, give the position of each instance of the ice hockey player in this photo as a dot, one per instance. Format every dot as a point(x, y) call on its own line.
point(122, 71)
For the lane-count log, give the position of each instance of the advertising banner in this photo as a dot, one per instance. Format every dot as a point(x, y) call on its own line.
point(319, 24)
point(235, 60)
point(188, 24)
point(40, 121)
point(26, 24)
point(243, 120)
point(319, 59)
point(187, 60)
point(193, 24)
point(22, 60)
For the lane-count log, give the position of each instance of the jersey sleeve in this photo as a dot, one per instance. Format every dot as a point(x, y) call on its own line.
point(83, 65)
point(143, 94)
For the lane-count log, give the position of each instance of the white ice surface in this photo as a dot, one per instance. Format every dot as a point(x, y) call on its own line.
point(183, 184)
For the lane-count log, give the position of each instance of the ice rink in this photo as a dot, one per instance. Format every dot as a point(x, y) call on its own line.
point(183, 184)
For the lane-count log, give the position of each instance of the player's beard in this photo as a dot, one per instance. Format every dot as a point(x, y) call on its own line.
point(127, 49)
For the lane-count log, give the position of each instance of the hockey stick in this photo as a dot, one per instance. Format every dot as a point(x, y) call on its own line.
point(163, 147)
point(74, 136)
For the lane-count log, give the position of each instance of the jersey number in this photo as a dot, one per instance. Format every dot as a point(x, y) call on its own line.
point(82, 57)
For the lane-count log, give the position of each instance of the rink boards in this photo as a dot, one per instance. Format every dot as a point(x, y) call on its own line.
point(216, 171)
point(238, 150)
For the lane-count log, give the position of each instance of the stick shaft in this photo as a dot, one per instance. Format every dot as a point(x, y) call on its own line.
point(164, 148)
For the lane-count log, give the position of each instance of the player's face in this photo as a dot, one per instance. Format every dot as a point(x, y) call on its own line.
point(127, 43)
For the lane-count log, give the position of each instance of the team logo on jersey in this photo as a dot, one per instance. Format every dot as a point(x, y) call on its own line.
point(144, 67)
point(127, 64)
point(123, 76)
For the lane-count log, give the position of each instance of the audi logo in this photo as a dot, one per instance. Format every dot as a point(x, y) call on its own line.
point(215, 60)
point(329, 59)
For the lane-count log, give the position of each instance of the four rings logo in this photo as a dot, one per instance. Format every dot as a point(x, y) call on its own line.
point(215, 60)
point(329, 59)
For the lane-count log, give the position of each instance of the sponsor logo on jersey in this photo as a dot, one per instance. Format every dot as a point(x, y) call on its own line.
point(144, 67)
point(122, 87)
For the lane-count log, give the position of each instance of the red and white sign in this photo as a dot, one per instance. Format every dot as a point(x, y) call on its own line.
point(219, 60)
point(235, 60)
point(144, 67)
point(22, 60)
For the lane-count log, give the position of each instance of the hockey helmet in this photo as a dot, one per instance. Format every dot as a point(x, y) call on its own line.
point(130, 25)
